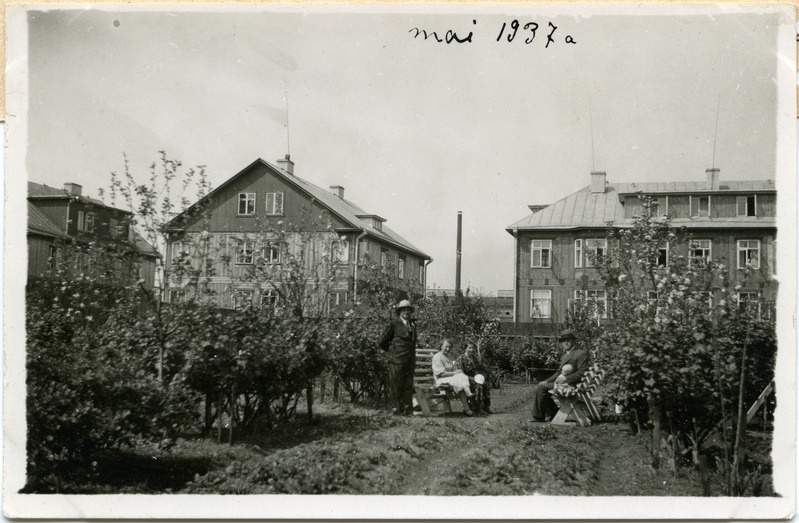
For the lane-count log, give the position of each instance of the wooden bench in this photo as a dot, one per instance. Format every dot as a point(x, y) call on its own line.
point(433, 400)
point(576, 402)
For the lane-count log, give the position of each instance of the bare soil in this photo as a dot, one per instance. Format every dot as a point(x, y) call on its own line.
point(358, 450)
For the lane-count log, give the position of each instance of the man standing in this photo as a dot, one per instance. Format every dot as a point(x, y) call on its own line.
point(544, 406)
point(399, 339)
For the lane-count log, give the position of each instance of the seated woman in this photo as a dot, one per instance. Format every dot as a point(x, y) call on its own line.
point(472, 365)
point(445, 373)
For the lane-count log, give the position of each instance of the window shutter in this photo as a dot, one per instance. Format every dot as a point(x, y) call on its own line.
point(270, 203)
point(279, 203)
point(694, 206)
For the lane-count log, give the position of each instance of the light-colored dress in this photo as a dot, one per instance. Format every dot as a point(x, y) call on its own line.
point(459, 382)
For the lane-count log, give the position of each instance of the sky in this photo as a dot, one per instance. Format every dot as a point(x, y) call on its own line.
point(415, 130)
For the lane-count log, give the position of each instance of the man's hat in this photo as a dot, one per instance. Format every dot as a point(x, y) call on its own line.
point(567, 334)
point(404, 304)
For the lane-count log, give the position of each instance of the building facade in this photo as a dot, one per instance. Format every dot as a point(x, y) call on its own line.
point(61, 220)
point(265, 214)
point(555, 245)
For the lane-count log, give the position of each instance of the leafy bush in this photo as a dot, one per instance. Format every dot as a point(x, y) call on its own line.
point(88, 388)
point(355, 359)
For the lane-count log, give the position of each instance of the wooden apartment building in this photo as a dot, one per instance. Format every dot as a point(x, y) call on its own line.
point(733, 221)
point(266, 197)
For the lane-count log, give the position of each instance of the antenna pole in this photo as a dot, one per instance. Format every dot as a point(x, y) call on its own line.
point(591, 119)
point(288, 134)
point(716, 132)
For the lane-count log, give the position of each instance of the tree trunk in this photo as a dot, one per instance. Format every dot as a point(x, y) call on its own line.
point(654, 409)
point(219, 418)
point(739, 453)
point(309, 398)
point(232, 415)
point(208, 405)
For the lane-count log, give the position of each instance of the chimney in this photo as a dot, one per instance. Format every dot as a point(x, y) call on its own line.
point(712, 179)
point(286, 164)
point(73, 189)
point(598, 181)
point(337, 190)
point(535, 208)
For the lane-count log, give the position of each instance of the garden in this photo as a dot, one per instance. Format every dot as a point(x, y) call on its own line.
point(129, 394)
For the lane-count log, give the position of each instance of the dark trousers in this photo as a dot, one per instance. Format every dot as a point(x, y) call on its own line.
point(481, 399)
point(543, 404)
point(400, 384)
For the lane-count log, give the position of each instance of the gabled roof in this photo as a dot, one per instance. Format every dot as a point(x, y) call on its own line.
point(143, 246)
point(346, 210)
point(38, 191)
point(39, 223)
point(584, 209)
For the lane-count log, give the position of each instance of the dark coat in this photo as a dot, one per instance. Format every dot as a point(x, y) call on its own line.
point(471, 366)
point(580, 359)
point(400, 341)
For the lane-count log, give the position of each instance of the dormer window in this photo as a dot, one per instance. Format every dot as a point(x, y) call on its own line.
point(700, 206)
point(746, 205)
point(374, 220)
point(85, 221)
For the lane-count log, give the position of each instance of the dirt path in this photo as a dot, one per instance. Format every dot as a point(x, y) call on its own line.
point(511, 410)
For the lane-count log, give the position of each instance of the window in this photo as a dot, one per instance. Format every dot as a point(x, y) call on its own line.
point(377, 224)
point(244, 254)
point(274, 203)
point(749, 301)
point(652, 296)
point(700, 206)
point(269, 298)
point(540, 303)
point(116, 229)
point(85, 221)
point(660, 206)
point(271, 254)
point(52, 259)
point(340, 251)
point(541, 253)
point(180, 252)
point(598, 298)
point(594, 249)
point(749, 254)
point(383, 258)
point(401, 267)
point(242, 299)
point(421, 272)
point(338, 298)
point(662, 259)
point(578, 253)
point(700, 250)
point(246, 203)
point(177, 296)
point(746, 205)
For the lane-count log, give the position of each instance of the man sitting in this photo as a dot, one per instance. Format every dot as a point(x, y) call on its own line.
point(544, 407)
point(445, 373)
